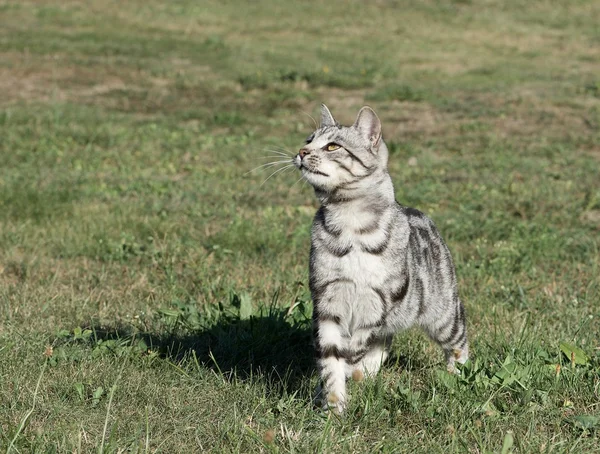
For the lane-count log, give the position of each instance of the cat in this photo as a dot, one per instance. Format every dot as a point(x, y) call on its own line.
point(376, 267)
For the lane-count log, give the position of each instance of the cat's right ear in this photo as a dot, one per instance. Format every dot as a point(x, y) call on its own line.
point(369, 125)
point(326, 117)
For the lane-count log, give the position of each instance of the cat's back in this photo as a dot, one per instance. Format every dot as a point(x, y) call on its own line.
point(422, 229)
point(428, 255)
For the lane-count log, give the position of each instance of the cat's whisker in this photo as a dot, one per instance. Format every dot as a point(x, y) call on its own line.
point(268, 164)
point(280, 152)
point(287, 158)
point(277, 171)
point(297, 181)
point(280, 148)
point(271, 148)
point(311, 117)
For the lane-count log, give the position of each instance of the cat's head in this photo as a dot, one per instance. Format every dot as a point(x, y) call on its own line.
point(336, 157)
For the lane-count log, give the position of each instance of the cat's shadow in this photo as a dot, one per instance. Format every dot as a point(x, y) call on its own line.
point(267, 348)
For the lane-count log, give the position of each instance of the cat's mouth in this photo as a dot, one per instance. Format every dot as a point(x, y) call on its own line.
point(303, 167)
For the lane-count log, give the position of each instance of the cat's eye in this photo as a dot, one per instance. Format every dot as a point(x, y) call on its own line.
point(332, 147)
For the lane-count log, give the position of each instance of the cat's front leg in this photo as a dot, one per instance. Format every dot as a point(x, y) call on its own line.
point(332, 365)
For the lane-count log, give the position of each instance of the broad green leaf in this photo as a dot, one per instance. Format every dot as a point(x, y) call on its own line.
point(573, 353)
point(169, 312)
point(245, 306)
point(508, 442)
point(507, 373)
point(98, 392)
point(63, 333)
point(80, 390)
point(447, 379)
point(586, 421)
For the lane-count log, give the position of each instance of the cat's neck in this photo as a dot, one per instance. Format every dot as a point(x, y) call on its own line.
point(375, 190)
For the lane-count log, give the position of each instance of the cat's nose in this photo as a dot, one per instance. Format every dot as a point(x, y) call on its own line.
point(303, 152)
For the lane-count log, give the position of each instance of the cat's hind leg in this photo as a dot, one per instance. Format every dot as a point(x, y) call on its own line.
point(450, 331)
point(373, 360)
point(374, 353)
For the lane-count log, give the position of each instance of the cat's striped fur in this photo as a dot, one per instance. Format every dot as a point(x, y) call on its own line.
point(376, 267)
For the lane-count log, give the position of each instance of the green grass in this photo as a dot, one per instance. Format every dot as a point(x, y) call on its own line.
point(153, 294)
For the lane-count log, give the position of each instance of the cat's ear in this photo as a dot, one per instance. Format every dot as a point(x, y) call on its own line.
point(326, 117)
point(369, 125)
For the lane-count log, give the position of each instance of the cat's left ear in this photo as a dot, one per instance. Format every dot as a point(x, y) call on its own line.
point(369, 125)
point(326, 117)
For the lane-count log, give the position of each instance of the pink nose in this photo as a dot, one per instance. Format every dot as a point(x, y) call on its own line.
point(303, 152)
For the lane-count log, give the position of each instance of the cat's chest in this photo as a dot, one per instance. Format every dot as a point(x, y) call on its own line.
point(361, 267)
point(362, 236)
point(353, 256)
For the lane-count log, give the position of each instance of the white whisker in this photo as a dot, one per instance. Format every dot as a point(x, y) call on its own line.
point(311, 117)
point(280, 148)
point(277, 171)
point(274, 151)
point(280, 152)
point(287, 158)
point(268, 164)
point(296, 182)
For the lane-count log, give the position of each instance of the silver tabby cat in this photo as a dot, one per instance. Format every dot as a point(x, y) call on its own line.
point(376, 267)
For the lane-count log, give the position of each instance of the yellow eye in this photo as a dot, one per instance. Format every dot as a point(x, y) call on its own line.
point(332, 147)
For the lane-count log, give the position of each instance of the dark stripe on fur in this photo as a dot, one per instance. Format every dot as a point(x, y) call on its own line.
point(326, 317)
point(373, 227)
point(337, 198)
point(346, 168)
point(380, 248)
point(424, 235)
point(356, 158)
point(376, 209)
point(356, 357)
point(415, 249)
point(326, 377)
point(312, 170)
point(338, 251)
point(412, 212)
point(439, 262)
point(317, 290)
point(456, 326)
point(321, 217)
point(374, 339)
point(329, 351)
point(380, 294)
point(371, 342)
point(378, 324)
point(399, 294)
point(420, 288)
point(348, 184)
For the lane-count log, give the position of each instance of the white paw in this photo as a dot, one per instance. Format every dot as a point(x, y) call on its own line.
point(334, 403)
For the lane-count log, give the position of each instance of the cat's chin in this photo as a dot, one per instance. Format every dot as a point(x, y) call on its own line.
point(317, 180)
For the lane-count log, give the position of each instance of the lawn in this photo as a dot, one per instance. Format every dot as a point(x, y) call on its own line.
point(153, 290)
